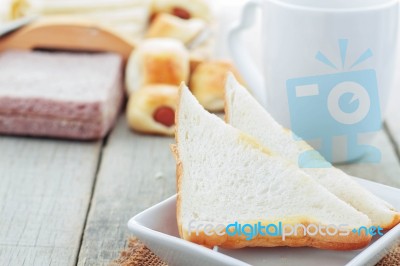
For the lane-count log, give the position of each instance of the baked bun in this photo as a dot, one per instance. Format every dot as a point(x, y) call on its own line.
point(152, 109)
point(166, 25)
point(208, 83)
point(18, 9)
point(157, 61)
point(183, 8)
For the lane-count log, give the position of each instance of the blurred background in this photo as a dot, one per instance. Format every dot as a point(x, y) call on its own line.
point(131, 17)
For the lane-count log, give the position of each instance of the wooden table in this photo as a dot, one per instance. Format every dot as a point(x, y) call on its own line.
point(68, 202)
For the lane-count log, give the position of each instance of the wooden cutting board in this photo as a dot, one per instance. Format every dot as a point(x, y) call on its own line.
point(61, 33)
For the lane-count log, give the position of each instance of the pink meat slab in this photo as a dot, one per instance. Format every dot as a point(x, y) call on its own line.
point(64, 95)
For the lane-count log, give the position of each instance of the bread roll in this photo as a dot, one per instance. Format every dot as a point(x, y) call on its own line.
point(152, 109)
point(65, 7)
point(166, 25)
point(201, 49)
point(128, 17)
point(18, 9)
point(157, 61)
point(208, 83)
point(183, 8)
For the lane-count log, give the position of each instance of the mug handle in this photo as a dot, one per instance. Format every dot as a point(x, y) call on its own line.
point(241, 57)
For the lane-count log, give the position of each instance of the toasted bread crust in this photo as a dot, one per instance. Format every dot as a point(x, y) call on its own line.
point(395, 221)
point(179, 167)
point(350, 242)
point(227, 106)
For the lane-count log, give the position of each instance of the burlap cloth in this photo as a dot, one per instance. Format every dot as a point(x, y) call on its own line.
point(138, 255)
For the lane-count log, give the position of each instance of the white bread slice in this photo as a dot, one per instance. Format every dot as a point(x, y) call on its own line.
point(245, 113)
point(224, 175)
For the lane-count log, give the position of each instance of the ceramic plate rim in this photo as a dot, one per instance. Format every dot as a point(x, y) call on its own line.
point(136, 226)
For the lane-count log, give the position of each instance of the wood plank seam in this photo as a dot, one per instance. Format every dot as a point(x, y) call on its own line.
point(99, 160)
point(393, 141)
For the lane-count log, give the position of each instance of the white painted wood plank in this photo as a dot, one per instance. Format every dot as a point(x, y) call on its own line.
point(136, 172)
point(129, 181)
point(386, 172)
point(393, 118)
point(45, 189)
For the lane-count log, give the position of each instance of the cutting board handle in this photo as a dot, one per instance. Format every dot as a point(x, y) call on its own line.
point(60, 33)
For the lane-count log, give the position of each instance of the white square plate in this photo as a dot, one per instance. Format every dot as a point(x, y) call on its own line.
point(156, 227)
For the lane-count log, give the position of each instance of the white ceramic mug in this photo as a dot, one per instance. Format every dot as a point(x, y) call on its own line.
point(316, 56)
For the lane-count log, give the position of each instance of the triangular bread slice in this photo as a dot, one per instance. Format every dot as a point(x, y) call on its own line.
point(224, 176)
point(245, 113)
